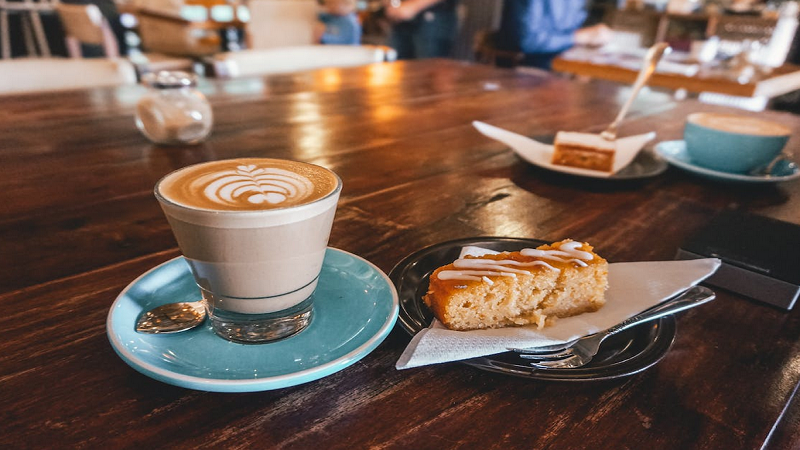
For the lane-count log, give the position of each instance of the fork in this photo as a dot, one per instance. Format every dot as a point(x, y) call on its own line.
point(584, 349)
point(649, 64)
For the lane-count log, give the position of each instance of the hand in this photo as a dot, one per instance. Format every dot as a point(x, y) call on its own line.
point(318, 31)
point(400, 12)
point(596, 35)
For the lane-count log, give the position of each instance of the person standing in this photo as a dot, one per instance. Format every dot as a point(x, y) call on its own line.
point(422, 28)
point(338, 23)
point(542, 29)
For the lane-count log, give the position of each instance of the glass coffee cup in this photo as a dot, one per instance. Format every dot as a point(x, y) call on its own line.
point(254, 232)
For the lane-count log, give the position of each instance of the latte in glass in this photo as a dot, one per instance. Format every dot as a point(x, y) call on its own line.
point(254, 232)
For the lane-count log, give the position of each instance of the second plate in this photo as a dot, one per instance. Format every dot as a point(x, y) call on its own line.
point(627, 353)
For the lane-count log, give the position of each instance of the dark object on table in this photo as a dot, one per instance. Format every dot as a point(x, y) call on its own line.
point(760, 256)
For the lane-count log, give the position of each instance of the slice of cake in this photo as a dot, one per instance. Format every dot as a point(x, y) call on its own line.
point(531, 286)
point(584, 150)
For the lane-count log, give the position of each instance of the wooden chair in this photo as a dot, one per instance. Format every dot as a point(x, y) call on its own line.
point(32, 29)
point(487, 53)
point(52, 74)
point(85, 24)
point(293, 59)
point(171, 34)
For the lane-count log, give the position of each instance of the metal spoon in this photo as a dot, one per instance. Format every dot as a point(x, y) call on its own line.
point(651, 59)
point(172, 318)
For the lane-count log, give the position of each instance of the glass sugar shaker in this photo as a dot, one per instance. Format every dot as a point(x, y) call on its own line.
point(173, 111)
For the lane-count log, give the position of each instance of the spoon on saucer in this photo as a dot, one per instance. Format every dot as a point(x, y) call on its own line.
point(172, 318)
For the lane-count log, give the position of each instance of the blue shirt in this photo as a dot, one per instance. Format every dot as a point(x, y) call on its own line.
point(341, 30)
point(540, 26)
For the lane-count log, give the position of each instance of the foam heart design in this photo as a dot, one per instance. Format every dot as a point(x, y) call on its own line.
point(274, 197)
point(267, 187)
point(270, 197)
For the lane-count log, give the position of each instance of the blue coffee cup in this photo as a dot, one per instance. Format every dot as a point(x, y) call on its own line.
point(733, 143)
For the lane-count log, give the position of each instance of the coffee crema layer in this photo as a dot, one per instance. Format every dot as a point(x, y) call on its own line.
point(247, 184)
point(737, 124)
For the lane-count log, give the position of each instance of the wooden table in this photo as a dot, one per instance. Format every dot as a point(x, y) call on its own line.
point(79, 222)
point(780, 81)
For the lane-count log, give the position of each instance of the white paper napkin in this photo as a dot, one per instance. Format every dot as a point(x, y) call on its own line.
point(541, 154)
point(633, 288)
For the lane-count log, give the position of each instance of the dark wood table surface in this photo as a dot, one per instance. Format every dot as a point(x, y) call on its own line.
point(79, 222)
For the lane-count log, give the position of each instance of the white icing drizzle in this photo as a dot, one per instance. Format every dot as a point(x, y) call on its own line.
point(567, 249)
point(479, 269)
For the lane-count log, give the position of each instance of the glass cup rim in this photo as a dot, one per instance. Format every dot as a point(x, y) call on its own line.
point(161, 198)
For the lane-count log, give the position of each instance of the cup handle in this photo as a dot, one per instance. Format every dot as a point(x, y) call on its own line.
point(784, 154)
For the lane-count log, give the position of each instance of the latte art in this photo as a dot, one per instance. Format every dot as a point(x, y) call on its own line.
point(248, 184)
point(256, 186)
point(738, 124)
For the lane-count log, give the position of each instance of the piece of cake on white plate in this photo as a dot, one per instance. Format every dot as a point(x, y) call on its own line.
point(584, 150)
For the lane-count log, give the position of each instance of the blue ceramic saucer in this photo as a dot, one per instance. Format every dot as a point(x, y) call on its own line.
point(355, 307)
point(675, 153)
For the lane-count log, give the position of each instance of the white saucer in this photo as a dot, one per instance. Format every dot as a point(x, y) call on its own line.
point(630, 162)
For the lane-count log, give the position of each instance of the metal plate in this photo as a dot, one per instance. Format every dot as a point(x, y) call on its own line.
point(625, 354)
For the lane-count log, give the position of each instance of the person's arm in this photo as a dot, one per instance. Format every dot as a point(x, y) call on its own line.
point(319, 32)
point(347, 31)
point(542, 26)
point(407, 10)
point(599, 34)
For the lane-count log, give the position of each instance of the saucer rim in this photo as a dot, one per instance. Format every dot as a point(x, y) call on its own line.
point(255, 384)
point(728, 176)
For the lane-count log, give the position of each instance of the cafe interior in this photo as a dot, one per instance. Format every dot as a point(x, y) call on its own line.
point(411, 224)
